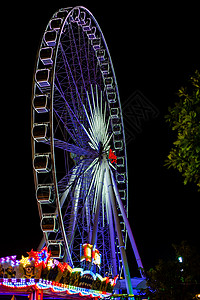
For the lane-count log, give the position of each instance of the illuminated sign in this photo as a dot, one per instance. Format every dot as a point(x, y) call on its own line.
point(89, 253)
point(86, 252)
point(96, 257)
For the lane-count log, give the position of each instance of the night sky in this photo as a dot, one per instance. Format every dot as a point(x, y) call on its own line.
point(154, 49)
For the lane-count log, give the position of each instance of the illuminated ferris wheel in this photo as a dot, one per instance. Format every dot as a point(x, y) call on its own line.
point(78, 144)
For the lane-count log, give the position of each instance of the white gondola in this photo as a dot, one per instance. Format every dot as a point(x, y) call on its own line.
point(96, 43)
point(42, 163)
point(42, 78)
point(100, 54)
point(114, 113)
point(56, 248)
point(91, 33)
point(121, 178)
point(120, 162)
point(118, 145)
point(41, 103)
point(49, 223)
point(56, 23)
point(108, 81)
point(46, 55)
point(44, 194)
point(105, 68)
point(122, 194)
point(87, 25)
point(41, 132)
point(111, 95)
point(116, 128)
point(50, 38)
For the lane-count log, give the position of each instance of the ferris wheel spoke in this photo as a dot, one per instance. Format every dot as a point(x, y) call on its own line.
point(74, 210)
point(97, 131)
point(68, 71)
point(73, 109)
point(89, 183)
point(92, 181)
point(75, 217)
point(86, 58)
point(78, 58)
point(73, 116)
point(69, 130)
point(72, 148)
point(70, 181)
point(77, 209)
point(70, 75)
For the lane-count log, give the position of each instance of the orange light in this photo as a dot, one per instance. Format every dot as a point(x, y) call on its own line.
point(96, 257)
point(87, 252)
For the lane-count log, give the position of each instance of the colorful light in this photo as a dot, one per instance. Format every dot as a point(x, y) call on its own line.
point(41, 258)
point(91, 254)
point(42, 284)
point(27, 272)
point(62, 266)
point(96, 257)
point(87, 252)
point(10, 259)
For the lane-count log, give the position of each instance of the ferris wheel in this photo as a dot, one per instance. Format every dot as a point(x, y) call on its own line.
point(78, 144)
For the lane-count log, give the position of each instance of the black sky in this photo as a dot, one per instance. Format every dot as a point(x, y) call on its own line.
point(155, 49)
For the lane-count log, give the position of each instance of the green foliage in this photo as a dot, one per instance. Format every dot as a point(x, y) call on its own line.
point(175, 280)
point(163, 280)
point(190, 266)
point(184, 118)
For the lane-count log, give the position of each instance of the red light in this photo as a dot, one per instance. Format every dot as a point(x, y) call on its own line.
point(112, 157)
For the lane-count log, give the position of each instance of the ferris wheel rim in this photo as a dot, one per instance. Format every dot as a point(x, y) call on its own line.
point(51, 102)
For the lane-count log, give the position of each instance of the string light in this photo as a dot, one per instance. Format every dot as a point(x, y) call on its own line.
point(10, 259)
point(46, 284)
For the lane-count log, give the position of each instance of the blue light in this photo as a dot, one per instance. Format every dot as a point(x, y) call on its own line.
point(180, 259)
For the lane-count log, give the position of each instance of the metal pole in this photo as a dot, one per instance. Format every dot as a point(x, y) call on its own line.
point(99, 198)
point(119, 234)
point(130, 234)
point(112, 234)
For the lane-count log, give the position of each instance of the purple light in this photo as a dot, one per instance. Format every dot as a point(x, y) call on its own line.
point(10, 259)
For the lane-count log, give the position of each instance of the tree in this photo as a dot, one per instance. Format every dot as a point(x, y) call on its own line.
point(189, 259)
point(184, 118)
point(163, 280)
point(175, 279)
